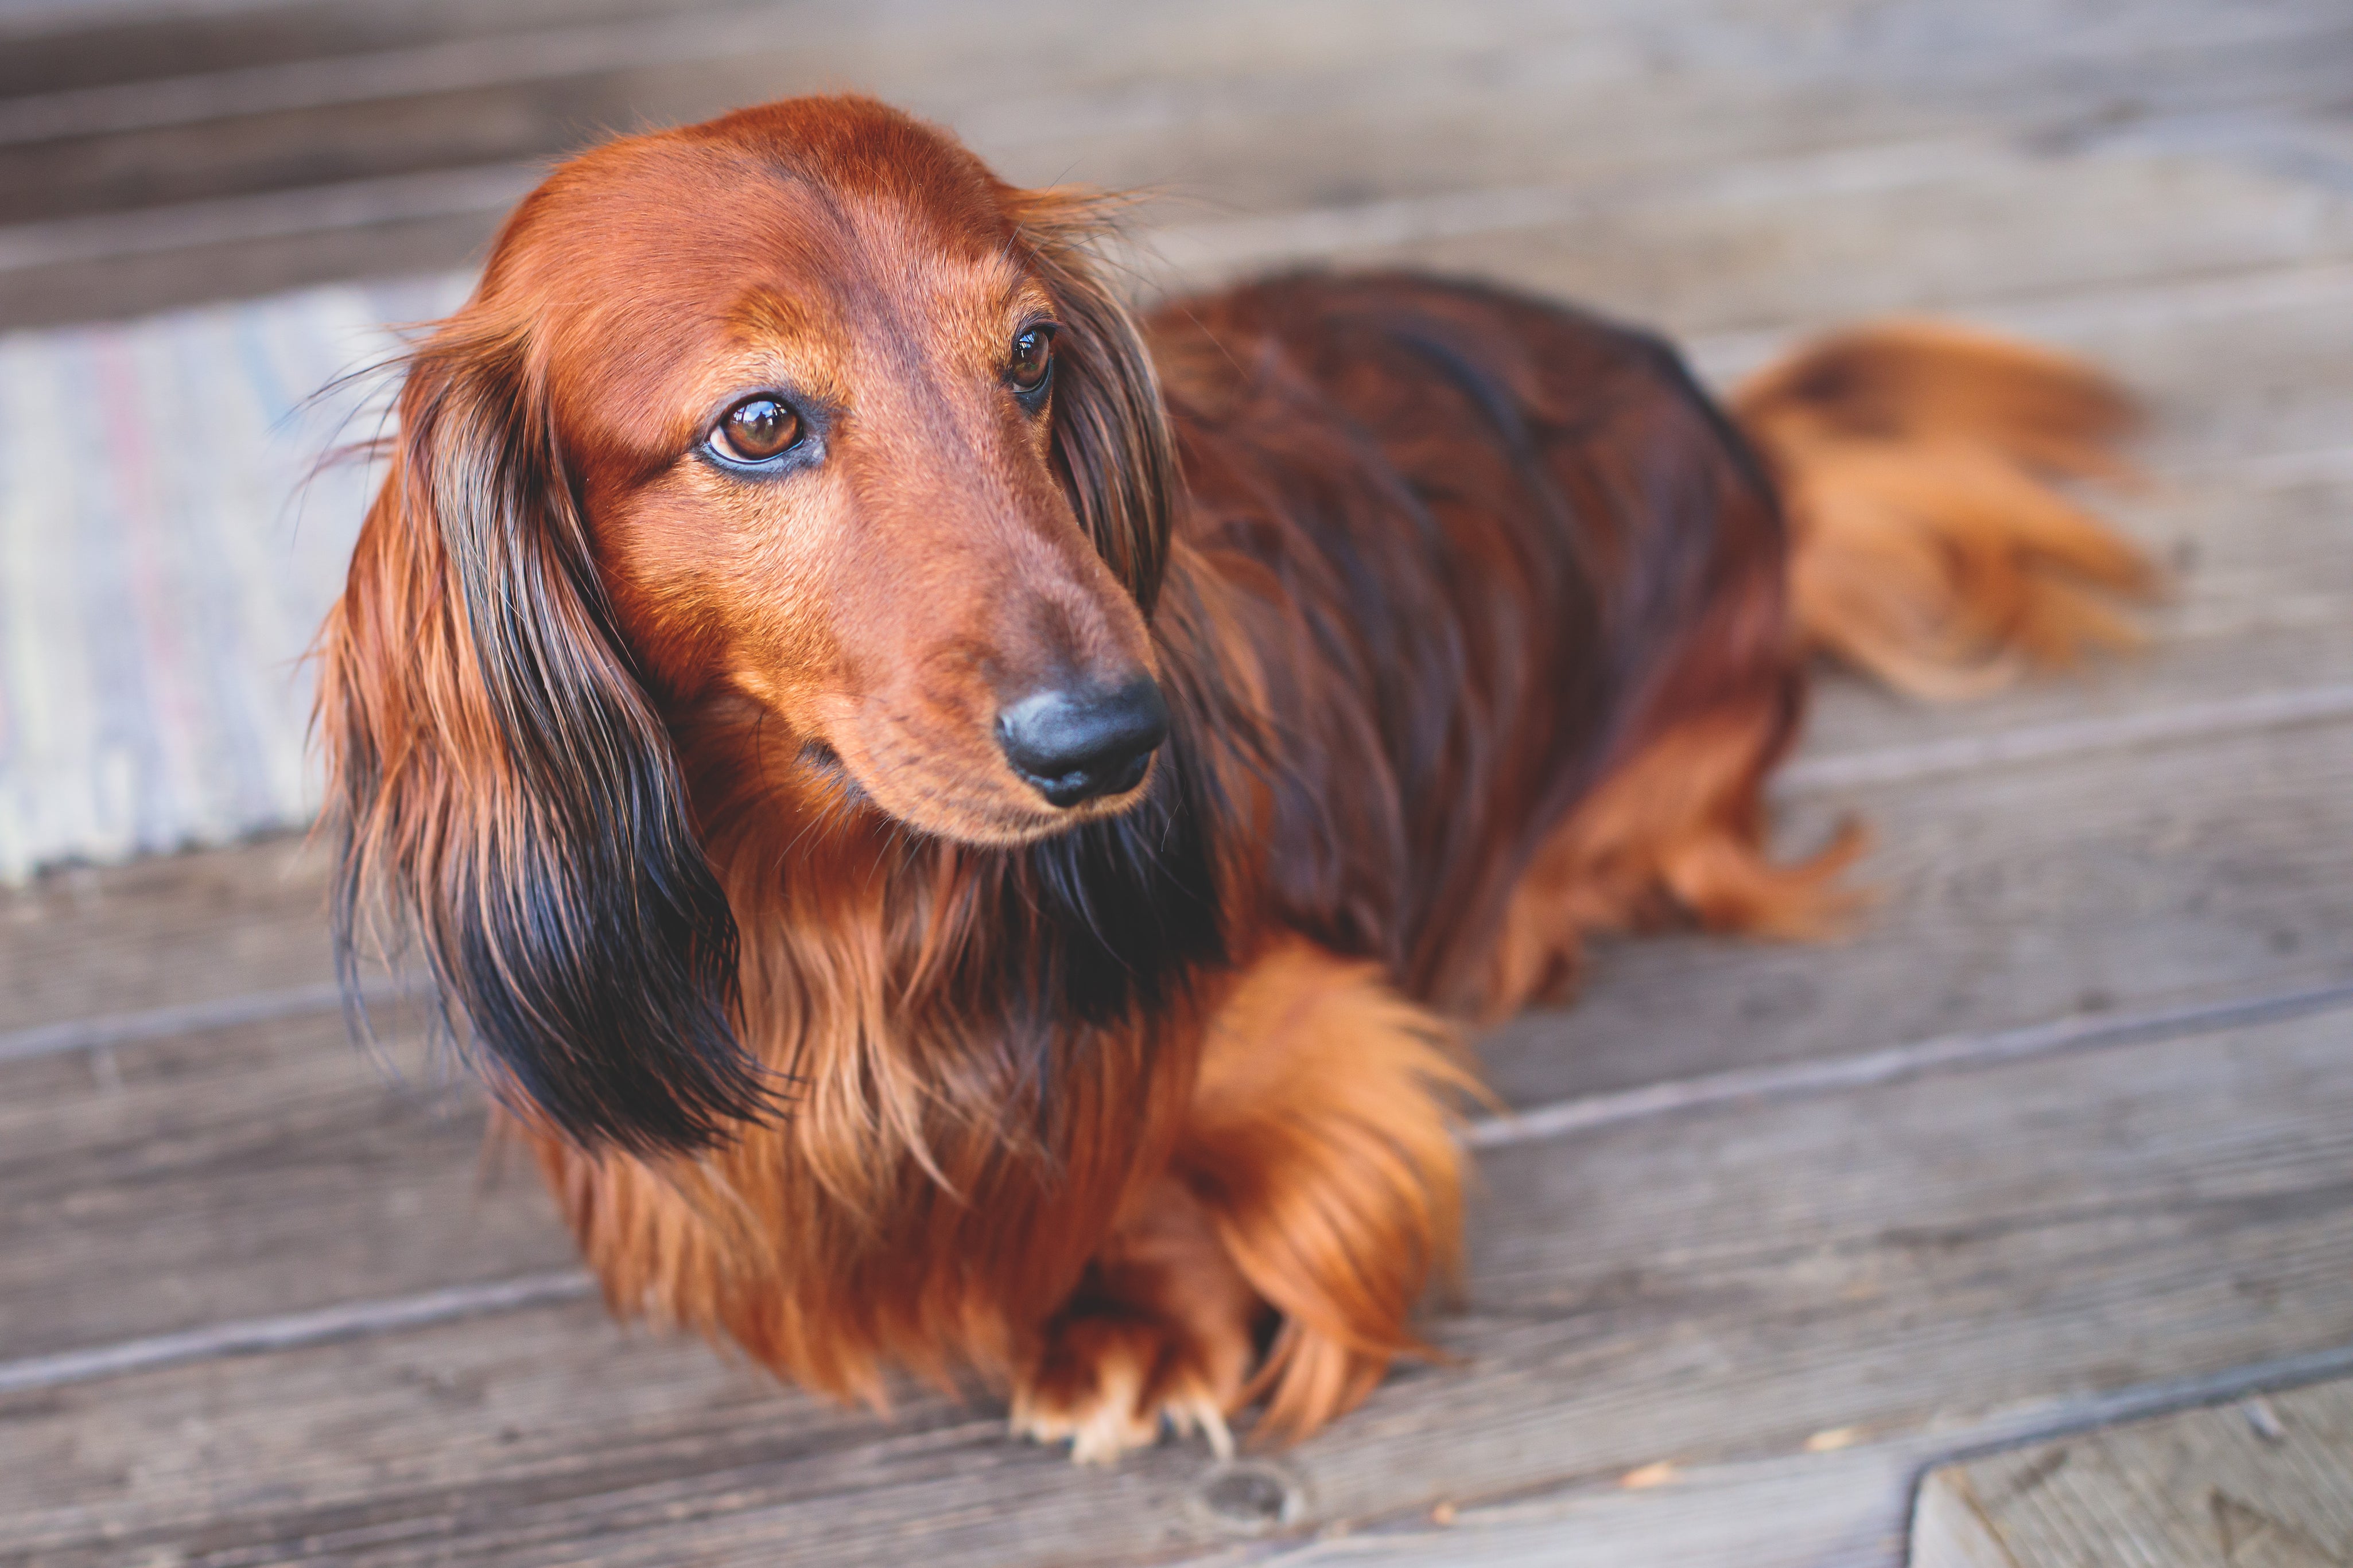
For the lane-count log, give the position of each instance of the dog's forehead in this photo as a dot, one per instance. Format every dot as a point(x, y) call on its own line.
point(651, 268)
point(876, 264)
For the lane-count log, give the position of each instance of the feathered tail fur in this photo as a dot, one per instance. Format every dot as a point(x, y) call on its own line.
point(1920, 465)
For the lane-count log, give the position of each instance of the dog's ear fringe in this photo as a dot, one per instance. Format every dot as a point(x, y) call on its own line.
point(1112, 442)
point(503, 788)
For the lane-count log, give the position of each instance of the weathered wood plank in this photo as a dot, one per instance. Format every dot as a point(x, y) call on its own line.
point(1490, 103)
point(82, 941)
point(2263, 1483)
point(1938, 226)
point(67, 47)
point(2119, 878)
point(2105, 883)
point(1668, 236)
point(1514, 92)
point(1644, 1301)
point(1631, 99)
point(1508, 97)
point(507, 99)
point(1836, 1509)
point(237, 1173)
point(1839, 1503)
point(164, 275)
point(1929, 1252)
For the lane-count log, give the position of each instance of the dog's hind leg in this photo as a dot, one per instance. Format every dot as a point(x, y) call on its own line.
point(1918, 465)
point(1315, 1192)
point(1674, 837)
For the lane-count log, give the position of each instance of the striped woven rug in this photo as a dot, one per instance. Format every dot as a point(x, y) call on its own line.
point(165, 554)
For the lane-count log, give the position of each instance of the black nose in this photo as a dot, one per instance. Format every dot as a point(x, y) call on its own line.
point(1077, 744)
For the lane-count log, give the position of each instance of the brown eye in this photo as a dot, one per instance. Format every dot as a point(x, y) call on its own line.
point(756, 429)
point(1033, 358)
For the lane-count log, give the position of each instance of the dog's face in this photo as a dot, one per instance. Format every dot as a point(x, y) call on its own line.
point(797, 436)
point(805, 371)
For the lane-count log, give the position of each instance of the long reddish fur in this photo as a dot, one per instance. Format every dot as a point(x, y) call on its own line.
point(1482, 626)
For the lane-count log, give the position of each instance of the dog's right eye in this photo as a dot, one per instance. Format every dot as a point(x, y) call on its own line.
point(756, 429)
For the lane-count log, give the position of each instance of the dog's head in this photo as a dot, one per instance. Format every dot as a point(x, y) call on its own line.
point(798, 420)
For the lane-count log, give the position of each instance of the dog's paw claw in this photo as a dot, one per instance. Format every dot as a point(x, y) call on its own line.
point(1109, 1386)
point(1195, 1410)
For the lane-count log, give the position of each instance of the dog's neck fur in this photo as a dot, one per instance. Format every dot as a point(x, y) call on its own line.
point(944, 995)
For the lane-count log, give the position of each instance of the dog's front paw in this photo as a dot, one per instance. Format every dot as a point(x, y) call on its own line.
point(1109, 1382)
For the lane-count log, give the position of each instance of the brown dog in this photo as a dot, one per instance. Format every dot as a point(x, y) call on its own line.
point(963, 828)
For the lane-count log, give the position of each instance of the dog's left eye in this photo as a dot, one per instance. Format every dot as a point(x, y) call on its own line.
point(1033, 358)
point(756, 429)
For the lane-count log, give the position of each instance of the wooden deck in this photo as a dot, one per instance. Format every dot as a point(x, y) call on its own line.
point(2266, 1480)
point(2063, 1137)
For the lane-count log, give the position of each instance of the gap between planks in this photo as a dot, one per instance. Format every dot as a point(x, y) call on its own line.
point(1942, 1054)
point(197, 1017)
point(292, 1330)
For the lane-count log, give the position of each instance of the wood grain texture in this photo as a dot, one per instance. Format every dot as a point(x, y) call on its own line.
point(1730, 1333)
point(1588, 100)
point(1516, 94)
point(1836, 1509)
point(271, 1168)
point(2006, 896)
point(1836, 1504)
point(67, 45)
point(1823, 236)
point(1645, 1301)
point(244, 1172)
point(2265, 1482)
point(84, 942)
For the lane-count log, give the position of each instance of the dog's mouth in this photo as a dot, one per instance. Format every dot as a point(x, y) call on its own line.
point(819, 765)
point(1018, 810)
point(1008, 776)
point(1012, 830)
point(1028, 813)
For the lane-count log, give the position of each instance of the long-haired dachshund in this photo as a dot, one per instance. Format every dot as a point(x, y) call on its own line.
point(964, 827)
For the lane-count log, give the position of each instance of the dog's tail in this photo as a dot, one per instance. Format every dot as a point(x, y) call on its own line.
point(1930, 545)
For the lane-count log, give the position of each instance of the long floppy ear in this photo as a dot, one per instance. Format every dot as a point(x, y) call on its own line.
point(499, 778)
point(1111, 436)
